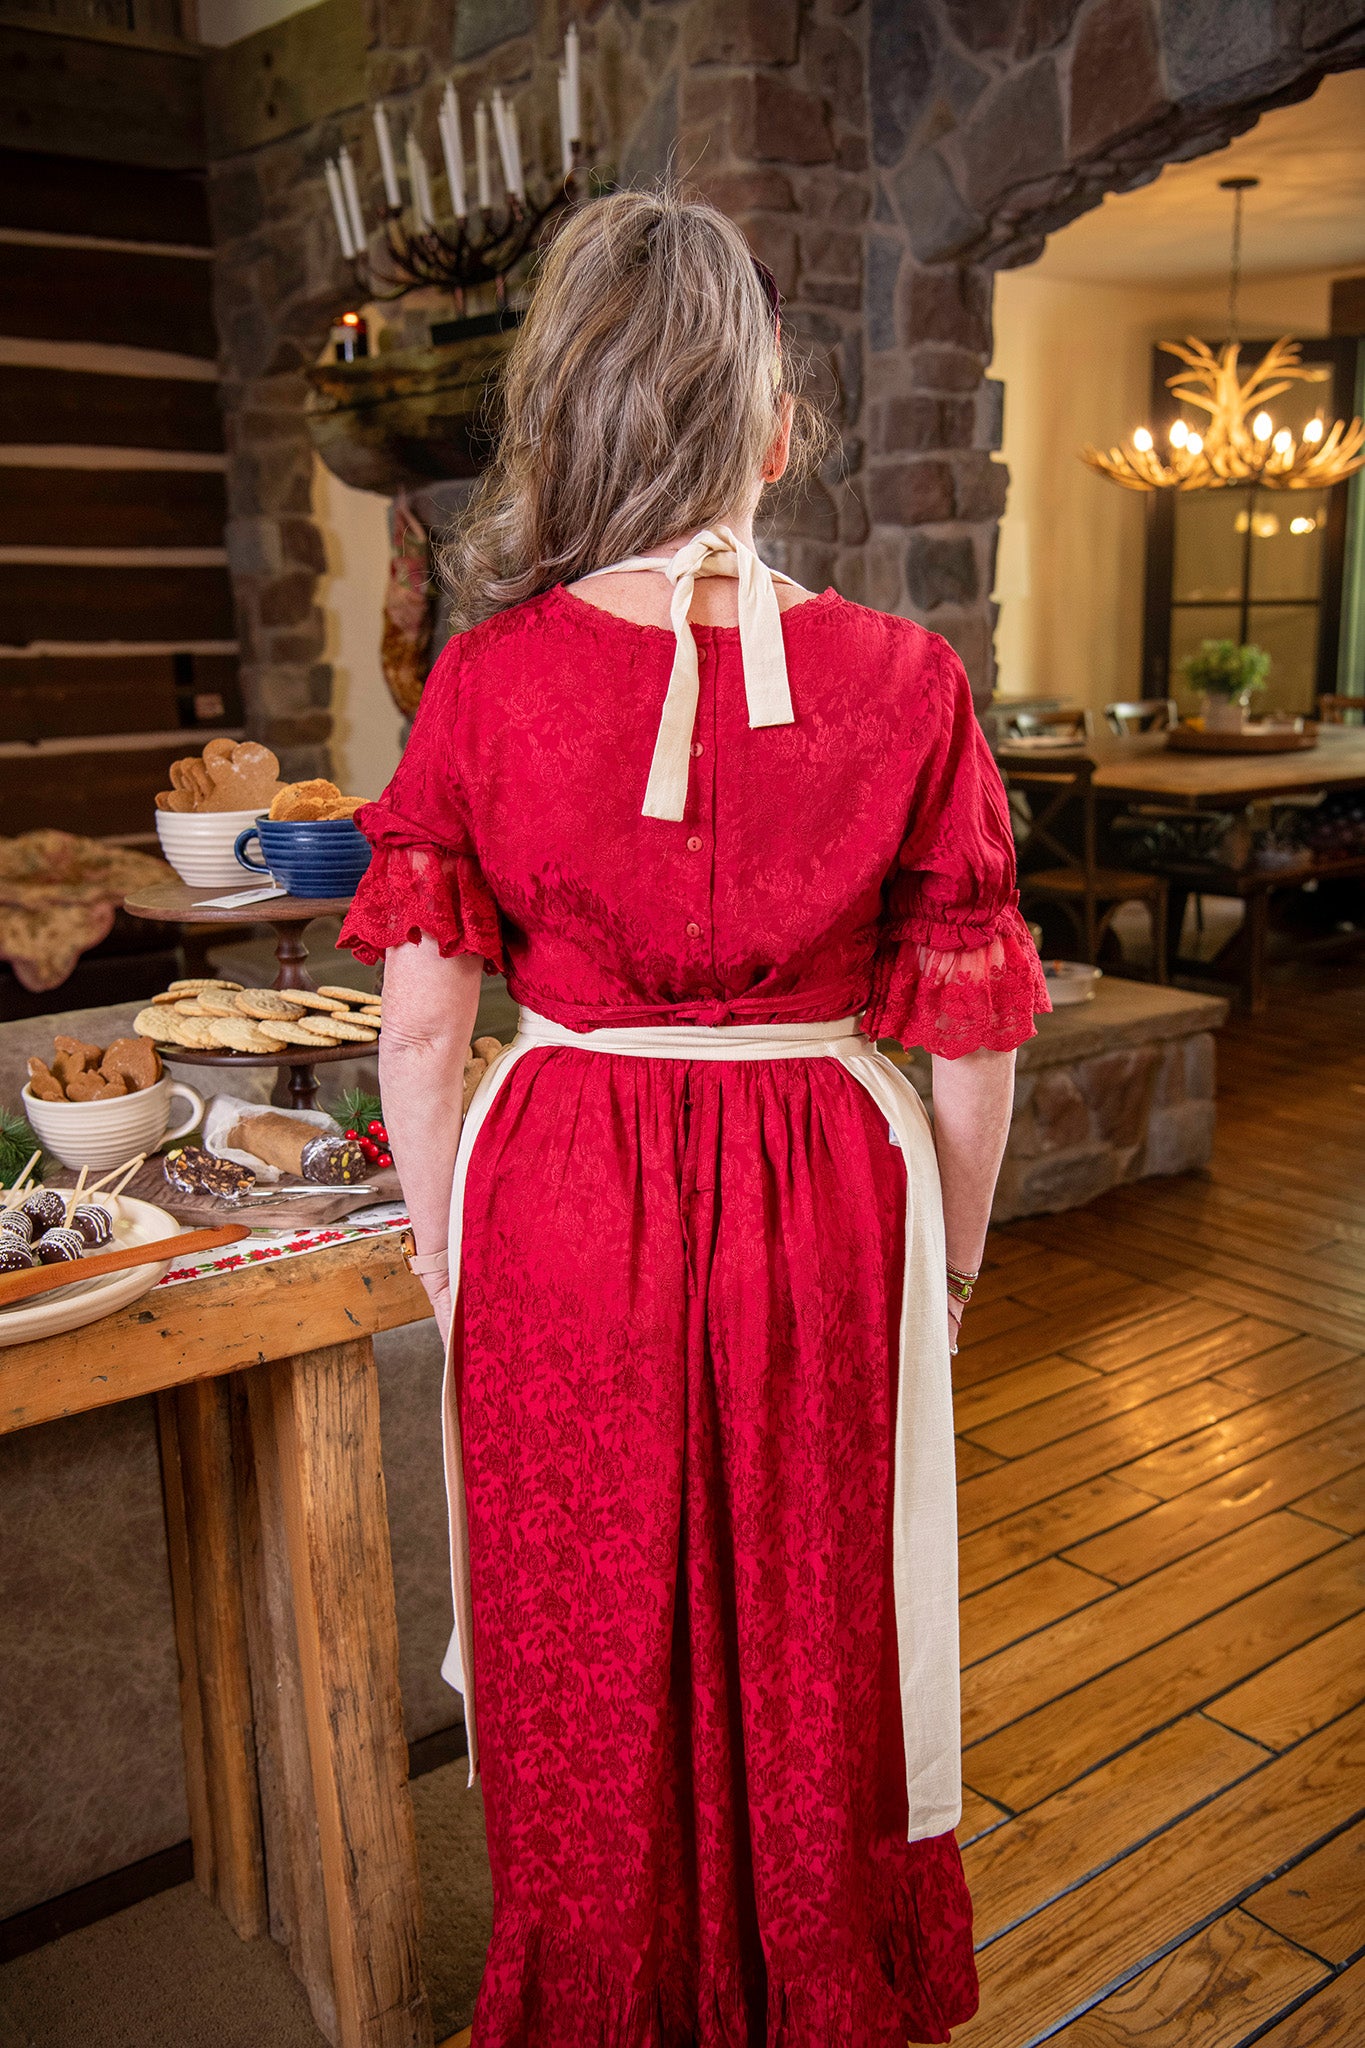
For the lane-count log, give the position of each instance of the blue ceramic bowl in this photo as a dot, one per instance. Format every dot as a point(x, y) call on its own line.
point(308, 857)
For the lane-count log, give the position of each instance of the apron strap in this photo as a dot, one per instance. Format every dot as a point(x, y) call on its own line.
point(713, 552)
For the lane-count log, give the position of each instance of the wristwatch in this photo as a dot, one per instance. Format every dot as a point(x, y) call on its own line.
point(422, 1262)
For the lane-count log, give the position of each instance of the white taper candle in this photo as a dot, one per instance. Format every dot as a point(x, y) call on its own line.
point(419, 182)
point(338, 199)
point(517, 181)
point(572, 99)
point(565, 138)
point(483, 187)
point(452, 147)
point(393, 197)
point(351, 190)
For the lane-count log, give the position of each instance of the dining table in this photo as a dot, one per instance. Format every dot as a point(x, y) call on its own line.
point(1140, 768)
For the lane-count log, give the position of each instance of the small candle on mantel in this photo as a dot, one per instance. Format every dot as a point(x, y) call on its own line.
point(393, 197)
point(517, 181)
point(483, 186)
point(452, 149)
point(507, 151)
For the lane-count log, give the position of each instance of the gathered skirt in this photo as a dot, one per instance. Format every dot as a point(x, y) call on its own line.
point(675, 1361)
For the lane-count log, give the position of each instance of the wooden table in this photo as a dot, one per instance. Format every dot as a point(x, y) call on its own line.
point(1140, 768)
point(295, 1762)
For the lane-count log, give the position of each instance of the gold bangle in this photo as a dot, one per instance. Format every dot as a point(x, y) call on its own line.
point(960, 1285)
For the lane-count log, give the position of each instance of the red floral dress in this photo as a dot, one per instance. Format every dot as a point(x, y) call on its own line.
point(676, 1338)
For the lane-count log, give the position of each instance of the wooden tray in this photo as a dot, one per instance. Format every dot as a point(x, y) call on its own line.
point(291, 1212)
point(1185, 739)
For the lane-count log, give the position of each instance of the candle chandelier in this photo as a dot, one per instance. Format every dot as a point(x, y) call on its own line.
point(1239, 443)
point(483, 242)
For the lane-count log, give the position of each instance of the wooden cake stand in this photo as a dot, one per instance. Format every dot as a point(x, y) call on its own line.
point(177, 903)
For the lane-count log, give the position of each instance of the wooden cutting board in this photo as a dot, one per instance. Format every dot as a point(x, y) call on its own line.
point(289, 1212)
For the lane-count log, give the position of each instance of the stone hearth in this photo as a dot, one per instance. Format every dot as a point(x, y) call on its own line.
point(1113, 1090)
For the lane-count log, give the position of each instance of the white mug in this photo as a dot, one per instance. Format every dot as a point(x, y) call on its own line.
point(102, 1134)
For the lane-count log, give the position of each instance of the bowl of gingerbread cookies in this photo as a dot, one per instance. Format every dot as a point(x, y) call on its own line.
point(212, 798)
point(93, 1105)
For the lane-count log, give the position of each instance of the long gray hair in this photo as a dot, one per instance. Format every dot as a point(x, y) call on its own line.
point(641, 398)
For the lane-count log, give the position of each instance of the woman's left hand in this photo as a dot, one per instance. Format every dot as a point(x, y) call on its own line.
point(955, 1309)
point(438, 1294)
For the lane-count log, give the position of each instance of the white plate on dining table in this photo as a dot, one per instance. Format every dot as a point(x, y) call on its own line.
point(85, 1301)
point(1043, 743)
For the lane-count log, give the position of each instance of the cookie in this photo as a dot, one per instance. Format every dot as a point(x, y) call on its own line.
point(345, 995)
point(80, 1049)
point(134, 1061)
point(310, 999)
point(195, 986)
point(92, 1086)
point(197, 1172)
point(342, 1030)
point(214, 1002)
point(247, 779)
point(151, 1023)
point(344, 807)
point(239, 1034)
point(278, 1033)
point(267, 1002)
point(299, 802)
point(43, 1083)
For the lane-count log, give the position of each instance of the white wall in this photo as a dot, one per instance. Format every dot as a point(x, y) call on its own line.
point(367, 733)
point(1075, 359)
point(227, 21)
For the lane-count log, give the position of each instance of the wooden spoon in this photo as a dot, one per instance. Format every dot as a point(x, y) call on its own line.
point(41, 1279)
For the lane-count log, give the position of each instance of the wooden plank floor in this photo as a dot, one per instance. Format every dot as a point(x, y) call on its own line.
point(1161, 1416)
point(1161, 1412)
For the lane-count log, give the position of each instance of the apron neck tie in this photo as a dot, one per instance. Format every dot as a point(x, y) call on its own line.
point(714, 552)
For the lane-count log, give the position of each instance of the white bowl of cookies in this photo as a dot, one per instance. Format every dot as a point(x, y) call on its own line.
point(214, 796)
point(96, 1106)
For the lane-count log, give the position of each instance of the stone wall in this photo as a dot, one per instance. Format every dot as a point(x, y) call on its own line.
point(1117, 1089)
point(883, 156)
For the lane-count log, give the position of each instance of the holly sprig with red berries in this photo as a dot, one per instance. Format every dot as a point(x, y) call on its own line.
point(362, 1118)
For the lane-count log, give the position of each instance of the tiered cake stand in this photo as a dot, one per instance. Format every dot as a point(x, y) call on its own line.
point(177, 903)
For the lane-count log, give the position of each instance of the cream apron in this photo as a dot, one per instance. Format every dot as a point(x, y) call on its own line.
point(924, 1553)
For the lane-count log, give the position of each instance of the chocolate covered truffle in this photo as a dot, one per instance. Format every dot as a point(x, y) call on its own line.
point(55, 1247)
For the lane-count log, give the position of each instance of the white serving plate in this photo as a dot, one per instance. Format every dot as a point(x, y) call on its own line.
point(85, 1301)
point(1070, 981)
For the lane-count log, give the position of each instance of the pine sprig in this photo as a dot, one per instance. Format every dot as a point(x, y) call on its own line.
point(356, 1108)
point(17, 1144)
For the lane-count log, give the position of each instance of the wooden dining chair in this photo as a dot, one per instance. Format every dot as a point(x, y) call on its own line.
point(1072, 721)
point(1087, 893)
point(1150, 714)
point(1340, 710)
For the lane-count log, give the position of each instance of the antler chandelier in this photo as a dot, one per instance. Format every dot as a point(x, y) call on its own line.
point(1239, 443)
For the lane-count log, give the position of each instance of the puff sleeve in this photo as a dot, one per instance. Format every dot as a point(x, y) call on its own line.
point(425, 875)
point(956, 970)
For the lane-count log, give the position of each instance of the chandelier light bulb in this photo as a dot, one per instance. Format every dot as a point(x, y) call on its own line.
point(1313, 431)
point(1180, 434)
point(1142, 440)
point(1302, 525)
point(1194, 444)
point(1262, 426)
point(1283, 441)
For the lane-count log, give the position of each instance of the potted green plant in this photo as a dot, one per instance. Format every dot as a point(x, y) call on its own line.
point(1227, 677)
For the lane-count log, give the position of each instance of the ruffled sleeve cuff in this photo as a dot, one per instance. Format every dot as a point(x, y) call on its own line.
point(409, 890)
point(974, 996)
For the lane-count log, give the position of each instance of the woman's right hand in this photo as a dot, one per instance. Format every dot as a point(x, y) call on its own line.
point(437, 1286)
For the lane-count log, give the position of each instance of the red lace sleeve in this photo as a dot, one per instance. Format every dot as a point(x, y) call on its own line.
point(425, 874)
point(408, 890)
point(956, 970)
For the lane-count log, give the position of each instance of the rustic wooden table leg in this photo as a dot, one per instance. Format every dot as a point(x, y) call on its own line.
point(315, 1424)
point(210, 1627)
point(293, 1854)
